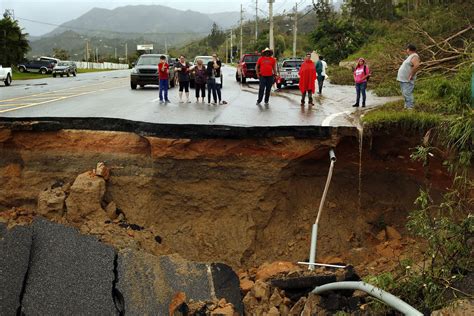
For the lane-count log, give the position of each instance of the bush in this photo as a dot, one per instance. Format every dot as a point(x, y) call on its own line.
point(340, 75)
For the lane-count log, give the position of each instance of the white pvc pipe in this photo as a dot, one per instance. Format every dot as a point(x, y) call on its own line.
point(314, 232)
point(323, 265)
point(385, 297)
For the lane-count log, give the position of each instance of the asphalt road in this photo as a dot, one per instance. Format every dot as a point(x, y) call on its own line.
point(108, 94)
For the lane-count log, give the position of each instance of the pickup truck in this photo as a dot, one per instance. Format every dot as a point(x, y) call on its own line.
point(288, 71)
point(246, 67)
point(6, 75)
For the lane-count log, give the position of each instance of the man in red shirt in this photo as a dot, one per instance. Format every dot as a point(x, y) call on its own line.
point(266, 71)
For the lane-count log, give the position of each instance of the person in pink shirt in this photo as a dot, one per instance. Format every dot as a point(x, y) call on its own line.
point(361, 75)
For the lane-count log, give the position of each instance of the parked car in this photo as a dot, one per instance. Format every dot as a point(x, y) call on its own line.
point(6, 75)
point(65, 68)
point(41, 66)
point(145, 71)
point(205, 60)
point(54, 60)
point(246, 67)
point(288, 72)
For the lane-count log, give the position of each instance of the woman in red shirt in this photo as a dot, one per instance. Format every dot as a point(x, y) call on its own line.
point(266, 71)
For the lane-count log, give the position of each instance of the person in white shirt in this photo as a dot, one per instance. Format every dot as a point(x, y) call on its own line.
point(321, 67)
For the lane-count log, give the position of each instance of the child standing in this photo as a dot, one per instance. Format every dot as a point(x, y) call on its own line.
point(163, 75)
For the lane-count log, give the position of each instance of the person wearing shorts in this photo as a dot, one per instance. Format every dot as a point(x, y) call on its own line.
point(183, 68)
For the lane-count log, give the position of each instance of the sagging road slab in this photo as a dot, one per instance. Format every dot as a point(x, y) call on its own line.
point(109, 95)
point(50, 269)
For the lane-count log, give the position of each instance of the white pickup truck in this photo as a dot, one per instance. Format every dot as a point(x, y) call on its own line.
point(6, 75)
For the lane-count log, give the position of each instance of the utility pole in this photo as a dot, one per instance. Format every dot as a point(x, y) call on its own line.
point(270, 13)
point(226, 50)
point(115, 55)
point(166, 46)
point(295, 30)
point(256, 20)
point(231, 45)
point(241, 21)
point(96, 54)
point(126, 52)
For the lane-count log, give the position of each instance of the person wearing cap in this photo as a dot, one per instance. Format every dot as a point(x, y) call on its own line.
point(407, 75)
point(307, 76)
point(266, 71)
point(361, 75)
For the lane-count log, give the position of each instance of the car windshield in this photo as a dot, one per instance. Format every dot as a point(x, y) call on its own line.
point(149, 60)
point(251, 58)
point(292, 64)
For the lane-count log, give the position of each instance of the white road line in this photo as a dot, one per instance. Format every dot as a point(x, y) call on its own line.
point(327, 120)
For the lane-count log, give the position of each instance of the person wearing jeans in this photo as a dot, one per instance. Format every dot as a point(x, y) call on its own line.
point(163, 74)
point(407, 75)
point(266, 71)
point(361, 75)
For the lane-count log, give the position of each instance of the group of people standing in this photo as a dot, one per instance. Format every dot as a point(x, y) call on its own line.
point(210, 75)
point(204, 76)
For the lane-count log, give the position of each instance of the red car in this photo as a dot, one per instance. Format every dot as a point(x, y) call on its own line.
point(246, 67)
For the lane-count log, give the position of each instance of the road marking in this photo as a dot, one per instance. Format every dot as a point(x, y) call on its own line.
point(53, 100)
point(48, 93)
point(327, 120)
point(13, 104)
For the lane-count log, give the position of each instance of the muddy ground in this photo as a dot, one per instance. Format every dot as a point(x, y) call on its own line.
point(238, 201)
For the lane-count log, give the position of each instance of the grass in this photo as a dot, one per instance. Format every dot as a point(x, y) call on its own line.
point(340, 75)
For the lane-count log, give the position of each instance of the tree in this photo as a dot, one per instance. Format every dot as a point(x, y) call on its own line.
point(216, 37)
point(13, 42)
point(60, 53)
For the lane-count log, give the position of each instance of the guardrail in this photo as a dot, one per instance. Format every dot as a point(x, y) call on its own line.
point(89, 65)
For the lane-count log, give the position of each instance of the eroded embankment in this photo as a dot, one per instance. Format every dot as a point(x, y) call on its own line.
point(239, 201)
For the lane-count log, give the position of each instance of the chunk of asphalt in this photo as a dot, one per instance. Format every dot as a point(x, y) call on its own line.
point(69, 273)
point(15, 246)
point(148, 283)
point(227, 285)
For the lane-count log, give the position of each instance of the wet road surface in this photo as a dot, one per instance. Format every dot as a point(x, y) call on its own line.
point(108, 94)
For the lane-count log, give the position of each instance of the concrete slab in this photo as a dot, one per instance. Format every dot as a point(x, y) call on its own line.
point(148, 283)
point(69, 273)
point(15, 245)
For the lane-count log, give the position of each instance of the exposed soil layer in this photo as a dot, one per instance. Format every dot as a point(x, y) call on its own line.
point(238, 201)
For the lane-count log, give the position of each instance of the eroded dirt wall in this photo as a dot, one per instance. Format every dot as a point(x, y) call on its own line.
point(241, 202)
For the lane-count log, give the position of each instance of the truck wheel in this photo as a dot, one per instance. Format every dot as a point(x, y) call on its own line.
point(133, 85)
point(21, 69)
point(74, 73)
point(8, 81)
point(142, 86)
point(61, 75)
point(43, 71)
point(54, 75)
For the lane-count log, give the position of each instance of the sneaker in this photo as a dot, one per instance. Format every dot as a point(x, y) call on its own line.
point(188, 101)
point(167, 101)
point(161, 101)
point(311, 104)
point(355, 105)
point(267, 104)
point(258, 103)
point(214, 103)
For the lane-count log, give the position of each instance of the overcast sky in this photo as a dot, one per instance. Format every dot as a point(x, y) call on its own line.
point(60, 11)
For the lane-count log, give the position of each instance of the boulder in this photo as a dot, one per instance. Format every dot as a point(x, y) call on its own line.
point(298, 307)
point(85, 196)
point(51, 202)
point(15, 247)
point(261, 290)
point(392, 233)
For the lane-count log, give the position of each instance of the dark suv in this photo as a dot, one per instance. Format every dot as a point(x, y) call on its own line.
point(41, 66)
point(145, 71)
point(65, 68)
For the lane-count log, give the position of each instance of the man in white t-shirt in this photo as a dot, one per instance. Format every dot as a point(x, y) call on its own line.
point(321, 67)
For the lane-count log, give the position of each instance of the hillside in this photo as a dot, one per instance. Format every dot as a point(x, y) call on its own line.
point(135, 24)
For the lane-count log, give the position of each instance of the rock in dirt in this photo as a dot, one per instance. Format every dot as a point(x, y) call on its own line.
point(69, 273)
point(178, 300)
point(85, 196)
point(311, 306)
point(462, 307)
point(148, 282)
point(273, 312)
point(298, 307)
point(224, 311)
point(268, 270)
point(246, 285)
point(51, 202)
point(261, 290)
point(15, 245)
point(111, 210)
point(392, 233)
point(102, 171)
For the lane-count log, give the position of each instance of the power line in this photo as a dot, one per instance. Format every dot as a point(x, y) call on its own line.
point(108, 31)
